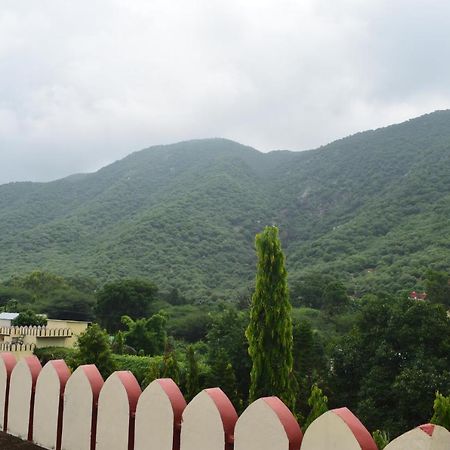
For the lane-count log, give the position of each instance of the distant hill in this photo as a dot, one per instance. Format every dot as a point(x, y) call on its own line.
point(373, 209)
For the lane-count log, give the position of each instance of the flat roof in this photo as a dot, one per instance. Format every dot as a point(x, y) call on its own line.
point(8, 316)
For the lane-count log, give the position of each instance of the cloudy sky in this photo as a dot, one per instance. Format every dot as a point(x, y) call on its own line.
point(83, 83)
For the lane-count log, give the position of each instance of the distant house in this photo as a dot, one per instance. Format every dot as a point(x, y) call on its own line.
point(23, 340)
point(421, 296)
point(6, 318)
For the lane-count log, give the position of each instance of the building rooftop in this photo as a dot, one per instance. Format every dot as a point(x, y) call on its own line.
point(8, 316)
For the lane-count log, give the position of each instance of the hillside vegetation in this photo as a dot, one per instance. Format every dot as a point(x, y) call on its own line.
point(372, 210)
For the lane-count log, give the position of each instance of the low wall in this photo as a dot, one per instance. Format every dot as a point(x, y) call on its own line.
point(81, 411)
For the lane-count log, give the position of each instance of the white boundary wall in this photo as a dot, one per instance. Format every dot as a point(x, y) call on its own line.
point(79, 412)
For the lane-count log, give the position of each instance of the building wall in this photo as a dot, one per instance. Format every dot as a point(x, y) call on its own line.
point(77, 328)
point(39, 337)
point(59, 410)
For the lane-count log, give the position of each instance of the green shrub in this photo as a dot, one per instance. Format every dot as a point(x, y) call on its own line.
point(138, 365)
point(48, 353)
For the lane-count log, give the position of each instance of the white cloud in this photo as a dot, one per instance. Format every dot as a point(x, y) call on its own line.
point(84, 83)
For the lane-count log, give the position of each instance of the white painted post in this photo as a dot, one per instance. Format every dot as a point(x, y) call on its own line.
point(48, 404)
point(116, 410)
point(21, 397)
point(7, 363)
point(80, 408)
point(267, 424)
point(208, 422)
point(425, 437)
point(337, 429)
point(158, 416)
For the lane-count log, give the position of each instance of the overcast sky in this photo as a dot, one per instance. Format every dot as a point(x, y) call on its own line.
point(86, 82)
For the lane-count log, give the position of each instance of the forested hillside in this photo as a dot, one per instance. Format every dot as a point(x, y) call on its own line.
point(372, 210)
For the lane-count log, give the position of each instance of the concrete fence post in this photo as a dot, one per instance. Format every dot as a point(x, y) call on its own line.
point(208, 422)
point(7, 363)
point(158, 416)
point(338, 429)
point(424, 437)
point(21, 397)
point(48, 404)
point(267, 424)
point(80, 408)
point(116, 412)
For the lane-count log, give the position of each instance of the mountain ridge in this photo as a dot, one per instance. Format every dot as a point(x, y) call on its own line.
point(185, 214)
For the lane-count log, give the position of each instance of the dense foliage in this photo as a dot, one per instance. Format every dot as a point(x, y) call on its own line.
point(371, 210)
point(93, 347)
point(389, 366)
point(382, 356)
point(29, 318)
point(43, 292)
point(441, 409)
point(128, 297)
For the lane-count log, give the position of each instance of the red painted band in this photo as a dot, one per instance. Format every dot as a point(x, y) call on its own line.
point(9, 361)
point(227, 414)
point(427, 428)
point(360, 432)
point(287, 419)
point(178, 404)
point(133, 391)
point(34, 367)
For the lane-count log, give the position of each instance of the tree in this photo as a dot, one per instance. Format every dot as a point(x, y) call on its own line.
point(69, 303)
point(222, 375)
point(39, 282)
point(318, 402)
point(437, 285)
point(189, 323)
point(147, 336)
point(381, 438)
point(192, 377)
point(93, 347)
point(269, 332)
point(396, 356)
point(10, 295)
point(227, 342)
point(170, 367)
point(229, 386)
point(310, 363)
point(175, 298)
point(335, 297)
point(310, 290)
point(29, 318)
point(128, 297)
point(441, 409)
point(118, 345)
point(154, 372)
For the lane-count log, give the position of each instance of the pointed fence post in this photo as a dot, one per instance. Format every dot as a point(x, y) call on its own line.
point(208, 422)
point(48, 404)
point(80, 408)
point(424, 437)
point(158, 416)
point(21, 397)
point(338, 429)
point(7, 363)
point(116, 412)
point(267, 424)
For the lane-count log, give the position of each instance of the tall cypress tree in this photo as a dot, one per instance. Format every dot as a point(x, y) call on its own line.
point(269, 333)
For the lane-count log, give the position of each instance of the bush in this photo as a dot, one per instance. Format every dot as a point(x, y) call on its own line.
point(29, 318)
point(47, 354)
point(138, 365)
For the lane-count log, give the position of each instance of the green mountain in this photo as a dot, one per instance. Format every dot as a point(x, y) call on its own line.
point(373, 209)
